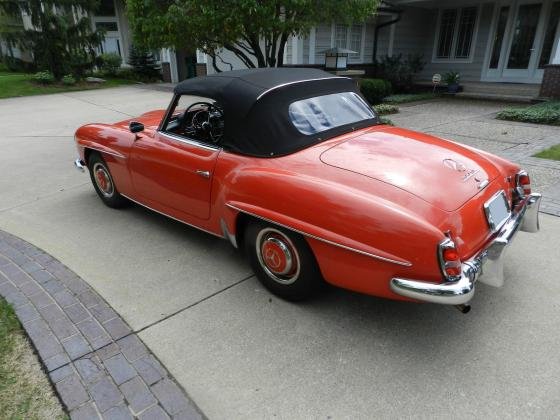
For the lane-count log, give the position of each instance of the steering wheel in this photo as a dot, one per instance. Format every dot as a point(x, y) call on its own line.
point(206, 122)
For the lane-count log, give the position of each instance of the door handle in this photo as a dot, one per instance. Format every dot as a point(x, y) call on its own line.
point(203, 174)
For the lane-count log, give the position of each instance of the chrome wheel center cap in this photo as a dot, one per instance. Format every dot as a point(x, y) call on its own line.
point(277, 256)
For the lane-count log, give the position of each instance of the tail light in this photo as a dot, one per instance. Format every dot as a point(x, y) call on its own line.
point(523, 183)
point(449, 260)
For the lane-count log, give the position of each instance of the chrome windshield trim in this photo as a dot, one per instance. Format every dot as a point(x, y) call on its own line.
point(309, 235)
point(298, 81)
point(189, 141)
point(171, 217)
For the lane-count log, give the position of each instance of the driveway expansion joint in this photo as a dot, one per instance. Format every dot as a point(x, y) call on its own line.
point(99, 367)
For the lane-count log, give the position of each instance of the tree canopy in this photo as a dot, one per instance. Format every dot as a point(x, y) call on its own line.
point(256, 31)
point(60, 37)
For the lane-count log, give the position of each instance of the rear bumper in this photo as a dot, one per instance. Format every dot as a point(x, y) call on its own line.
point(487, 266)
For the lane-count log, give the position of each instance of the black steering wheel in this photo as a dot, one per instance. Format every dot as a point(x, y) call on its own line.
point(206, 123)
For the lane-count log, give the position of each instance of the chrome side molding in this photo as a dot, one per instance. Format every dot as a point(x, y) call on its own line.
point(327, 241)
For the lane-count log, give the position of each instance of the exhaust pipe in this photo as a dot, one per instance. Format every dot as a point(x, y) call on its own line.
point(464, 309)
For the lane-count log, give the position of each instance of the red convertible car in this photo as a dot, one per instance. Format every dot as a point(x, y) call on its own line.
point(294, 166)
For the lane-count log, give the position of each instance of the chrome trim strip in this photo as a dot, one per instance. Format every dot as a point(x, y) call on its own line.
point(298, 81)
point(487, 266)
point(483, 184)
point(171, 217)
point(189, 141)
point(447, 243)
point(378, 257)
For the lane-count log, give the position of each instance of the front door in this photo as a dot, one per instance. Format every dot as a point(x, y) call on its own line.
point(521, 40)
point(172, 174)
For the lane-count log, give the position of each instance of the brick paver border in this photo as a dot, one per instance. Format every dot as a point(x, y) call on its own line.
point(98, 365)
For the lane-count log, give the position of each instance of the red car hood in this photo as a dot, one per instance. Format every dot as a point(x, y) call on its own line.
point(440, 172)
point(150, 120)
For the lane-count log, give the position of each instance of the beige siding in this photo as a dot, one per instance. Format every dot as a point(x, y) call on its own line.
point(322, 41)
point(416, 32)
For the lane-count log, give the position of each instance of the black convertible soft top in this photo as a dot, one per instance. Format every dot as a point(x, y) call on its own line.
point(256, 101)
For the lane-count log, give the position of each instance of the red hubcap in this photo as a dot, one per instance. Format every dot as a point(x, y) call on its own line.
point(274, 256)
point(102, 179)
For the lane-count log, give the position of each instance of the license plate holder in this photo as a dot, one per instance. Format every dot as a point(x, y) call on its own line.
point(497, 211)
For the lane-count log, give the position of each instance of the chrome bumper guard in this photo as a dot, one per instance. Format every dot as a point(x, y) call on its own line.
point(486, 267)
point(80, 165)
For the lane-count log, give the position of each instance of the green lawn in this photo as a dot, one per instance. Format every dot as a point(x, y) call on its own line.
point(25, 392)
point(21, 84)
point(551, 153)
point(543, 113)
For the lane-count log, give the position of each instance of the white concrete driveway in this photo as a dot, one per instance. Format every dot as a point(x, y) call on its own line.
point(242, 353)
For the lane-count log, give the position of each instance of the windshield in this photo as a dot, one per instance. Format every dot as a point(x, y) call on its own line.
point(321, 113)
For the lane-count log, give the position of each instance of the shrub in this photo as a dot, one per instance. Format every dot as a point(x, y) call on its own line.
point(127, 73)
point(387, 121)
point(43, 77)
point(68, 80)
point(17, 65)
point(385, 109)
point(451, 78)
point(544, 113)
point(144, 64)
point(110, 63)
point(409, 97)
point(374, 90)
point(79, 64)
point(399, 71)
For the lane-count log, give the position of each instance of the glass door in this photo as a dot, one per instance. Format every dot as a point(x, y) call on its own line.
point(522, 55)
point(516, 47)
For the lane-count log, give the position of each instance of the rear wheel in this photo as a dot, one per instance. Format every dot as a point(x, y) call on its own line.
point(282, 261)
point(103, 182)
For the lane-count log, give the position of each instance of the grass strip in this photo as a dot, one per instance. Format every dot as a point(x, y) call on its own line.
point(25, 392)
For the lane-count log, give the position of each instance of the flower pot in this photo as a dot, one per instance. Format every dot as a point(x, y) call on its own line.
point(453, 87)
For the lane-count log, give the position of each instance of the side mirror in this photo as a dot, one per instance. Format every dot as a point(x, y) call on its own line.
point(135, 127)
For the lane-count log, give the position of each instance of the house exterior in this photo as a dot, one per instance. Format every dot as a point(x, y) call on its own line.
point(505, 41)
point(508, 41)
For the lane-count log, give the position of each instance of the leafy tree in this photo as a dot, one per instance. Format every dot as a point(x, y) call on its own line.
point(256, 31)
point(143, 64)
point(61, 37)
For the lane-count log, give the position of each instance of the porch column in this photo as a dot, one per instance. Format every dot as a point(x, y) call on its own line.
point(550, 87)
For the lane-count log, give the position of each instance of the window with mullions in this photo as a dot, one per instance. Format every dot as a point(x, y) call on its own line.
point(456, 33)
point(349, 37)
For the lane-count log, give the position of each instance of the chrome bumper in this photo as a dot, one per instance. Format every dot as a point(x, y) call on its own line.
point(80, 165)
point(486, 267)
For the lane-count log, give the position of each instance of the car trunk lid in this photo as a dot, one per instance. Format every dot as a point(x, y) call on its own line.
point(440, 172)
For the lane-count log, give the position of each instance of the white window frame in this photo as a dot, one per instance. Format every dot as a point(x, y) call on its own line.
point(351, 60)
point(452, 59)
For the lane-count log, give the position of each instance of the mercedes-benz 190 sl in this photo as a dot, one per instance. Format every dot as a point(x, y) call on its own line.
point(294, 167)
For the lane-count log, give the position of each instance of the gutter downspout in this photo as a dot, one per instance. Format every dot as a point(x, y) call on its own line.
point(390, 9)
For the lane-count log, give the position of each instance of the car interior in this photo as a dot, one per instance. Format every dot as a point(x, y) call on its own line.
point(202, 121)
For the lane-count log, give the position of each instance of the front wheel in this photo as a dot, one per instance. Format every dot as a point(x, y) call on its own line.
point(282, 261)
point(103, 182)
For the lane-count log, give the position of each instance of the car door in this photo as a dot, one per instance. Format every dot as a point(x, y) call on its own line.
point(173, 174)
